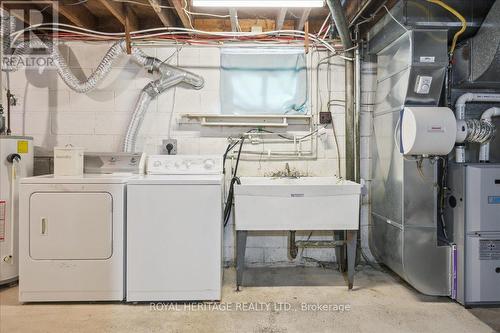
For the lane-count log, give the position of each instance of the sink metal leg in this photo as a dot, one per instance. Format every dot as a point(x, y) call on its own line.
point(241, 244)
point(340, 251)
point(352, 236)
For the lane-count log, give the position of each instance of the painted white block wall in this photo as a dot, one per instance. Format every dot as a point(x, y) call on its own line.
point(54, 115)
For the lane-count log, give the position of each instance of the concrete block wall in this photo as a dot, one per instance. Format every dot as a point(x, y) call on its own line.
point(54, 115)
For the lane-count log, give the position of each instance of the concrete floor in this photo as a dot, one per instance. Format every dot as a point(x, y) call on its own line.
point(380, 302)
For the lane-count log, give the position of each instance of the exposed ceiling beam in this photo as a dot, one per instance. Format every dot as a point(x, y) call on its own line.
point(222, 24)
point(179, 9)
point(119, 11)
point(77, 15)
point(303, 19)
point(164, 16)
point(19, 10)
point(280, 18)
point(234, 19)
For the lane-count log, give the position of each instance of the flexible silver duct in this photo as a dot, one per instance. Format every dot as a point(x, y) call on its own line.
point(479, 131)
point(460, 105)
point(171, 76)
point(486, 117)
point(116, 51)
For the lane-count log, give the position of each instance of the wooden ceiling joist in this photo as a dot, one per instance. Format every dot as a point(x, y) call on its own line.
point(77, 15)
point(165, 17)
point(21, 11)
point(280, 18)
point(303, 18)
point(120, 12)
point(179, 9)
point(113, 16)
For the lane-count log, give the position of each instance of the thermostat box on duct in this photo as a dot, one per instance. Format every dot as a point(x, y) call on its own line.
point(427, 131)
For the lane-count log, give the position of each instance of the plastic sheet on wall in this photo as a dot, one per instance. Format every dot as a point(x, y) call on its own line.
point(263, 81)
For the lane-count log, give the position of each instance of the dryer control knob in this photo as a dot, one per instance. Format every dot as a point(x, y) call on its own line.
point(156, 163)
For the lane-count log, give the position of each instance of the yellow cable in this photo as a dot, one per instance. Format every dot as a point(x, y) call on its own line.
point(458, 15)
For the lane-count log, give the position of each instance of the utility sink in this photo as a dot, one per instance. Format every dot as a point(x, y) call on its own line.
point(303, 203)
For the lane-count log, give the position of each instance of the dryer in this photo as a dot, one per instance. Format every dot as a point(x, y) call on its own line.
point(71, 236)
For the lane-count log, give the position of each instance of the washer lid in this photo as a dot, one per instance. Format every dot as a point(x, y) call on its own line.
point(88, 178)
point(176, 180)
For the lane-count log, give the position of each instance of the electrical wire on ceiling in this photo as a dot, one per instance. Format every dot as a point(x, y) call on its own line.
point(80, 2)
point(144, 4)
point(175, 32)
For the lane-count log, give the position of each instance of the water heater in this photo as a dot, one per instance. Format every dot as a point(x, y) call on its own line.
point(16, 161)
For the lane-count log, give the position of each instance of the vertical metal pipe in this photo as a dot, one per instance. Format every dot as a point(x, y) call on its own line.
point(5, 24)
point(357, 134)
point(339, 18)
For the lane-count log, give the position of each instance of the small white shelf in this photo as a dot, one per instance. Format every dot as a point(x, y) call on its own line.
point(248, 120)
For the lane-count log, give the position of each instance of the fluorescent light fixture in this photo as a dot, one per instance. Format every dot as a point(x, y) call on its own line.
point(258, 3)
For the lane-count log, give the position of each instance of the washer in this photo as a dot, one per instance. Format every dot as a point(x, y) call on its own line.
point(71, 237)
point(174, 230)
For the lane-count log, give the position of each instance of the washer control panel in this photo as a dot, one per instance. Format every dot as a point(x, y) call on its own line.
point(184, 165)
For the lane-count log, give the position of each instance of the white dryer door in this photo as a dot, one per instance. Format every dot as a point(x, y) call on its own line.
point(71, 225)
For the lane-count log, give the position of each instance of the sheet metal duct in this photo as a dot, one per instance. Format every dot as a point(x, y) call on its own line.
point(420, 14)
point(404, 215)
point(477, 62)
point(404, 233)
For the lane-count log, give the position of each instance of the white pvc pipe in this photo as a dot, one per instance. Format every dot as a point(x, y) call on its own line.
point(473, 97)
point(484, 151)
point(460, 114)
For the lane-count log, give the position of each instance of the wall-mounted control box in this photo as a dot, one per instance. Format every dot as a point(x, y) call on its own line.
point(423, 84)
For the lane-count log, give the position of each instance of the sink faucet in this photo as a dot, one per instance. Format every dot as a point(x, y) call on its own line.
point(287, 169)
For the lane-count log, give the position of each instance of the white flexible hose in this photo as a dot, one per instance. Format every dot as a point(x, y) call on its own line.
point(13, 176)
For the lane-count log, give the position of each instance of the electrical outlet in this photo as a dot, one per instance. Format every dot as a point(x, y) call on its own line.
point(169, 146)
point(325, 117)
